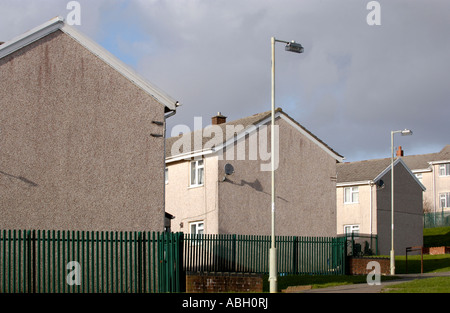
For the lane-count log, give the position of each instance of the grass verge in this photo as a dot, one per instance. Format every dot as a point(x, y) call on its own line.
point(436, 237)
point(431, 263)
point(425, 285)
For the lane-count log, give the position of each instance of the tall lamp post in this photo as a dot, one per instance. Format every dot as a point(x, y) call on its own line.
point(405, 132)
point(291, 46)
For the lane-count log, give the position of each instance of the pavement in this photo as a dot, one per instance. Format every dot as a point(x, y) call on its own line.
point(366, 288)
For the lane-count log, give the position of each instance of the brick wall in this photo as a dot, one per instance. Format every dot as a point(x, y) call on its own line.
point(358, 266)
point(438, 250)
point(223, 282)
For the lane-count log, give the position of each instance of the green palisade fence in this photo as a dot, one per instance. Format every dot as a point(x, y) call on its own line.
point(249, 254)
point(438, 219)
point(35, 261)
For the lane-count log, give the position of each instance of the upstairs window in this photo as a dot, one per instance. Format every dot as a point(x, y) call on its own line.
point(444, 169)
point(351, 195)
point(197, 173)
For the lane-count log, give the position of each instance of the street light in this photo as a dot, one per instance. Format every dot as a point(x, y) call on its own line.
point(405, 132)
point(291, 46)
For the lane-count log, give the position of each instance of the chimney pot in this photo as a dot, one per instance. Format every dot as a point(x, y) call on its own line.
point(218, 119)
point(400, 151)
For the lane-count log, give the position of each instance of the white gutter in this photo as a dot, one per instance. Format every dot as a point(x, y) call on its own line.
point(365, 182)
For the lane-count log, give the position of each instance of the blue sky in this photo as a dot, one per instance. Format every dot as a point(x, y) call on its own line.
point(353, 84)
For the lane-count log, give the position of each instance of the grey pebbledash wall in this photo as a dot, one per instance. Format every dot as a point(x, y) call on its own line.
point(75, 146)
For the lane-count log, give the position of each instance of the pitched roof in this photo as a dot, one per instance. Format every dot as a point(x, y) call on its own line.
point(422, 161)
point(242, 126)
point(58, 23)
point(360, 171)
point(369, 171)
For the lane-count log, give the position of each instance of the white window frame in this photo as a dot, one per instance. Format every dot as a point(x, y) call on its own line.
point(198, 168)
point(444, 200)
point(199, 226)
point(353, 190)
point(354, 229)
point(444, 169)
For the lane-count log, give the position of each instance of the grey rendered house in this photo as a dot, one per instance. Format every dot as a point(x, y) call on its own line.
point(363, 198)
point(222, 185)
point(81, 136)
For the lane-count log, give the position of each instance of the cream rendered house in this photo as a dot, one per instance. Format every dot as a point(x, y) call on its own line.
point(433, 170)
point(223, 186)
point(363, 197)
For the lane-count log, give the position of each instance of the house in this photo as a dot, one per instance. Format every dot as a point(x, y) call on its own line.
point(363, 197)
point(82, 136)
point(433, 171)
point(219, 179)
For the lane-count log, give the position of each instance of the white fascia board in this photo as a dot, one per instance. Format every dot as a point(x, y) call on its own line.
point(306, 134)
point(119, 66)
point(356, 183)
point(247, 131)
point(252, 128)
point(186, 156)
point(189, 155)
point(399, 160)
point(439, 162)
point(424, 170)
point(31, 36)
point(58, 23)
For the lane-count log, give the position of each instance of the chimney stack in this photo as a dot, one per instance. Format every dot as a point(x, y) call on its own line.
point(218, 119)
point(400, 151)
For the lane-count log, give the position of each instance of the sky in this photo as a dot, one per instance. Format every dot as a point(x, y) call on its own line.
point(365, 71)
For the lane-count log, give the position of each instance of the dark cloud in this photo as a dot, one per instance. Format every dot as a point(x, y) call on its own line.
point(352, 86)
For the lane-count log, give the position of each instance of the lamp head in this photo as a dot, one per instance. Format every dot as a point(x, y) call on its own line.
point(294, 47)
point(407, 132)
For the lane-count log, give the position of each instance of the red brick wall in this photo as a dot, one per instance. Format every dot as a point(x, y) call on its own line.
point(223, 282)
point(358, 266)
point(439, 250)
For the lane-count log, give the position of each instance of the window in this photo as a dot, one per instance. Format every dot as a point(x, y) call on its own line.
point(197, 228)
point(351, 195)
point(351, 229)
point(166, 175)
point(444, 200)
point(197, 173)
point(444, 169)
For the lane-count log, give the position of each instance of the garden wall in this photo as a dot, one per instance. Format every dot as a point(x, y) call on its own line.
point(358, 265)
point(204, 282)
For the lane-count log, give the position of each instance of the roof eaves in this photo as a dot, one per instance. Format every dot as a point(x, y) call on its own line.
point(313, 138)
point(31, 36)
point(399, 160)
point(354, 183)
